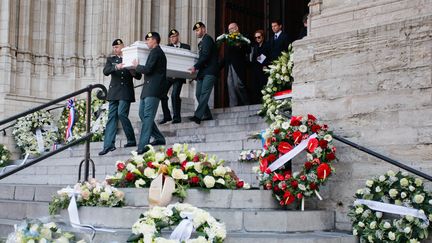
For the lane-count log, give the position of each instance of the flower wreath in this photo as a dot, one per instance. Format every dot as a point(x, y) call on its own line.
point(397, 189)
point(4, 155)
point(280, 139)
point(35, 133)
point(149, 225)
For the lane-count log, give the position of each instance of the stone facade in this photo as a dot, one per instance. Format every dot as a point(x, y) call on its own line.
point(366, 70)
point(49, 48)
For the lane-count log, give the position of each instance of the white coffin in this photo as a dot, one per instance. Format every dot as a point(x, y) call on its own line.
point(178, 60)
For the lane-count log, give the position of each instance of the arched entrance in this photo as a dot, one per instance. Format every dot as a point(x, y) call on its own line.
point(253, 15)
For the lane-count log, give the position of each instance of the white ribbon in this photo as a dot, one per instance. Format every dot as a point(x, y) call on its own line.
point(394, 209)
point(40, 141)
point(291, 154)
point(184, 229)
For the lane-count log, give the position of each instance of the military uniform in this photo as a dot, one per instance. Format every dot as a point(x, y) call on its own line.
point(154, 72)
point(120, 95)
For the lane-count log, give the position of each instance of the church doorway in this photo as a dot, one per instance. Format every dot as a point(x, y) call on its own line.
point(251, 16)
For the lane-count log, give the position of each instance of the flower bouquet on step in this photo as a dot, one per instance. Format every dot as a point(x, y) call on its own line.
point(188, 168)
point(4, 155)
point(280, 79)
point(232, 39)
point(251, 155)
point(91, 193)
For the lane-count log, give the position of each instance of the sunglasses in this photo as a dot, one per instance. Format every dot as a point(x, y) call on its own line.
point(258, 37)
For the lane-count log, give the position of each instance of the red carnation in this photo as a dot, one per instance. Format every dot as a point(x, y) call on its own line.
point(297, 135)
point(121, 166)
point(130, 176)
point(323, 171)
point(276, 189)
point(303, 177)
point(323, 143)
point(240, 184)
point(196, 158)
point(194, 180)
point(283, 186)
point(308, 165)
point(315, 128)
point(313, 186)
point(312, 145)
point(287, 175)
point(294, 184)
point(276, 131)
point(169, 152)
point(311, 117)
point(150, 164)
point(271, 158)
point(284, 147)
point(330, 156)
point(299, 195)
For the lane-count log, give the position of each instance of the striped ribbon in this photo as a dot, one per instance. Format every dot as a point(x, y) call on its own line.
point(71, 119)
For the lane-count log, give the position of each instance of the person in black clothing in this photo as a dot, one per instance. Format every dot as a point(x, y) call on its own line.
point(303, 31)
point(120, 94)
point(260, 59)
point(207, 67)
point(176, 83)
point(234, 62)
point(279, 42)
point(154, 72)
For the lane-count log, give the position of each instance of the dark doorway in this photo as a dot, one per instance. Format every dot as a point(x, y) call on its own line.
point(252, 15)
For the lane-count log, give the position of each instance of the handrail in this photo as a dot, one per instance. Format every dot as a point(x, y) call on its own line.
point(374, 153)
point(101, 95)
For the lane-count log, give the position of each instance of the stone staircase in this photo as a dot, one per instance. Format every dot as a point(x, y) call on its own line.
point(250, 215)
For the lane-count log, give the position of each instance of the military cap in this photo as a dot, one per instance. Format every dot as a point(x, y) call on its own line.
point(173, 32)
point(198, 25)
point(117, 42)
point(152, 35)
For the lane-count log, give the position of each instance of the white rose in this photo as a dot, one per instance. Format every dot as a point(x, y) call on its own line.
point(328, 137)
point(104, 196)
point(373, 224)
point(359, 210)
point(393, 193)
point(285, 125)
point(409, 218)
point(407, 230)
point(302, 187)
point(391, 173)
point(369, 183)
point(355, 232)
point(387, 225)
point(382, 178)
point(159, 157)
point(198, 167)
point(130, 167)
point(139, 183)
point(378, 189)
point(302, 128)
point(220, 181)
point(182, 157)
point(177, 147)
point(189, 165)
point(219, 171)
point(246, 186)
point(391, 235)
point(411, 188)
point(150, 173)
point(178, 174)
point(398, 202)
point(361, 224)
point(414, 241)
point(418, 198)
point(418, 182)
point(370, 238)
point(403, 195)
point(404, 182)
point(378, 214)
point(209, 181)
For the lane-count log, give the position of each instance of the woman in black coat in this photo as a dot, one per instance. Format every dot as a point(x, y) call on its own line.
point(260, 60)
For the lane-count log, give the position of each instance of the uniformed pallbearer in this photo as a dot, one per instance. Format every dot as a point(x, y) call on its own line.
point(120, 95)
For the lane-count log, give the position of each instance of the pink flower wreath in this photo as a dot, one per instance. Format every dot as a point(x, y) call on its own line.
point(281, 138)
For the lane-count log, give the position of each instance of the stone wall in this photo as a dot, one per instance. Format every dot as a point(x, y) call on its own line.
point(49, 48)
point(370, 79)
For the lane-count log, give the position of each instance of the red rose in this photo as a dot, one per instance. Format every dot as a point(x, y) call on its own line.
point(169, 152)
point(287, 175)
point(150, 164)
point(284, 147)
point(121, 166)
point(330, 156)
point(276, 131)
point(294, 184)
point(299, 195)
point(194, 180)
point(323, 171)
point(130, 176)
point(312, 145)
point(273, 139)
point(315, 128)
point(308, 165)
point(316, 161)
point(297, 135)
point(271, 158)
point(313, 186)
point(303, 177)
point(196, 158)
point(240, 184)
point(311, 117)
point(283, 186)
point(183, 165)
point(323, 143)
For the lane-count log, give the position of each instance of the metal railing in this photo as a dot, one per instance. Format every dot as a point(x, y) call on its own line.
point(87, 137)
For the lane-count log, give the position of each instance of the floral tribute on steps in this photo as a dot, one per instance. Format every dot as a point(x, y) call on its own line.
point(188, 219)
point(35, 230)
point(394, 207)
point(283, 141)
point(279, 81)
point(251, 155)
point(35, 133)
point(5, 155)
point(91, 193)
point(187, 167)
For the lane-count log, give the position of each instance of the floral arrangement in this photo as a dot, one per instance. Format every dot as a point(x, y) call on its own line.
point(249, 155)
point(34, 230)
point(91, 193)
point(282, 137)
point(149, 225)
point(187, 167)
point(398, 189)
point(280, 79)
point(232, 39)
point(100, 110)
point(35, 133)
point(4, 155)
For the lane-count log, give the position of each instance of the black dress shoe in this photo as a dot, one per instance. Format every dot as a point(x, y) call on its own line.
point(141, 151)
point(154, 143)
point(129, 145)
point(106, 150)
point(164, 121)
point(195, 119)
point(209, 118)
point(176, 121)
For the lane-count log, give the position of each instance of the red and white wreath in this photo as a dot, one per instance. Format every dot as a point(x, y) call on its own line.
point(283, 141)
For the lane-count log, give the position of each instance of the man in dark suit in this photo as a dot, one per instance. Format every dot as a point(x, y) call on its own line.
point(234, 62)
point(176, 83)
point(154, 72)
point(279, 42)
point(207, 67)
point(120, 94)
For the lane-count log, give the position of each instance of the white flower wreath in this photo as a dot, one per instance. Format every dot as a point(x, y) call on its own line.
point(149, 225)
point(395, 189)
point(35, 133)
